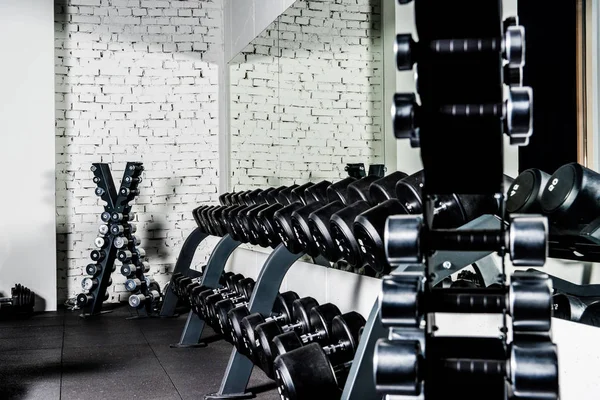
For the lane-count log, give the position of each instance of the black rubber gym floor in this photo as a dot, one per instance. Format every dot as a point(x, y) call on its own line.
point(59, 355)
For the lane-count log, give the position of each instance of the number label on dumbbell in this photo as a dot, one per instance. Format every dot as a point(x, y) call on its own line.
point(553, 184)
point(514, 190)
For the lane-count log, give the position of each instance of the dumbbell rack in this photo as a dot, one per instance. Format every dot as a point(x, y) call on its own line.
point(117, 204)
point(360, 384)
point(183, 264)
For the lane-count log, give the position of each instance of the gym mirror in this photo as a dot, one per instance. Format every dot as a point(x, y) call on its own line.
point(306, 95)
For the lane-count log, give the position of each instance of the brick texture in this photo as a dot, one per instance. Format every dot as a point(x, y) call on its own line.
point(306, 95)
point(135, 81)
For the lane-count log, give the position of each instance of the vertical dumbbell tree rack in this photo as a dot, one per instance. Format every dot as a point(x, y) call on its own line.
point(116, 240)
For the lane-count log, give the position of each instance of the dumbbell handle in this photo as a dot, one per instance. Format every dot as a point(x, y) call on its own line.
point(466, 240)
point(312, 336)
point(6, 300)
point(474, 300)
point(334, 348)
point(275, 318)
point(291, 327)
point(476, 367)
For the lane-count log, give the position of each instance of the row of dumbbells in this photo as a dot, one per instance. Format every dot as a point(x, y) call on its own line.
point(342, 221)
point(305, 346)
point(569, 197)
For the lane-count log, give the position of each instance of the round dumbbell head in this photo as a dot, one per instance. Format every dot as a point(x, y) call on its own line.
point(250, 198)
point(369, 228)
point(93, 269)
point(524, 195)
point(265, 351)
point(301, 310)
point(226, 220)
point(248, 332)
point(247, 225)
point(234, 321)
point(215, 219)
point(591, 315)
point(263, 196)
point(105, 216)
point(234, 227)
point(319, 222)
point(284, 305)
point(272, 197)
point(301, 228)
point(257, 234)
point(359, 190)
point(317, 192)
point(342, 229)
point(568, 307)
point(385, 188)
point(296, 381)
point(222, 309)
point(88, 283)
point(355, 170)
point(338, 191)
point(346, 329)
point(265, 222)
point(286, 342)
point(321, 318)
point(285, 195)
point(409, 191)
point(84, 299)
point(297, 194)
point(224, 199)
point(195, 214)
point(284, 228)
point(571, 195)
point(103, 229)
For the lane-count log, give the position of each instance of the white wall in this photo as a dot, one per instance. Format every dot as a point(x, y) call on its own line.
point(246, 19)
point(27, 237)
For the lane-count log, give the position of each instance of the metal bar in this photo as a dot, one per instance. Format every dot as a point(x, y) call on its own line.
point(182, 265)
point(192, 332)
point(263, 297)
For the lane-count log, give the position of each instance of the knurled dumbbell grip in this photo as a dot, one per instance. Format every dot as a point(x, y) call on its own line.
point(474, 300)
point(476, 367)
point(466, 240)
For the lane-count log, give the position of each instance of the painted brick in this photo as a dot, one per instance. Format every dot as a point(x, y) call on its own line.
point(105, 50)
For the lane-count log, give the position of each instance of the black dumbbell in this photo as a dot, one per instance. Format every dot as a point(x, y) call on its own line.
point(242, 288)
point(338, 191)
point(261, 344)
point(319, 225)
point(242, 323)
point(84, 299)
point(313, 371)
point(524, 194)
point(120, 229)
point(100, 242)
point(321, 318)
point(385, 188)
point(139, 300)
point(130, 269)
point(568, 307)
point(218, 314)
point(267, 349)
point(21, 300)
point(90, 283)
point(265, 223)
point(285, 196)
point(342, 231)
point(571, 195)
point(355, 170)
point(297, 194)
point(282, 221)
point(93, 269)
point(201, 294)
point(591, 314)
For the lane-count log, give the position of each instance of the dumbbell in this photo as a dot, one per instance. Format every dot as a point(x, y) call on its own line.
point(130, 269)
point(217, 311)
point(83, 299)
point(259, 338)
point(21, 300)
point(122, 241)
point(90, 283)
point(140, 300)
point(285, 196)
point(199, 295)
point(321, 318)
point(570, 308)
point(120, 229)
point(207, 304)
point(265, 349)
point(355, 170)
point(525, 193)
point(93, 269)
point(571, 195)
point(242, 323)
point(125, 256)
point(314, 371)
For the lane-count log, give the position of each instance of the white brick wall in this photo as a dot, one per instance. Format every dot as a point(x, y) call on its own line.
point(306, 95)
point(135, 81)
